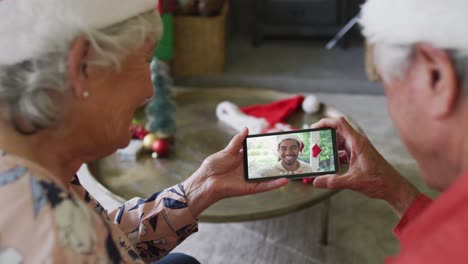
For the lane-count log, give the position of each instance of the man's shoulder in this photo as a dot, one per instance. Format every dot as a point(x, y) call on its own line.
point(438, 234)
point(444, 223)
point(268, 171)
point(303, 163)
point(305, 166)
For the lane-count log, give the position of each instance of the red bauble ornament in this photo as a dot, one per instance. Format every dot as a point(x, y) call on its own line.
point(138, 131)
point(161, 147)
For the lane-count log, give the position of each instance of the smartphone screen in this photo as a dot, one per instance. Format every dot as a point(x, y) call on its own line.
point(291, 154)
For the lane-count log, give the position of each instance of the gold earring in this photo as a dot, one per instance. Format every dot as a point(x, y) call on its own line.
point(85, 94)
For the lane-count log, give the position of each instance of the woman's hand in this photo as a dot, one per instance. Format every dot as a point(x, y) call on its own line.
point(369, 173)
point(221, 175)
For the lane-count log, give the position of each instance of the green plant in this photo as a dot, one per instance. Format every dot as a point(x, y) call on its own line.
point(305, 137)
point(326, 144)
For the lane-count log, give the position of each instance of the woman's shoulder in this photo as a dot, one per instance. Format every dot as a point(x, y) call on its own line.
point(24, 184)
point(15, 175)
point(36, 210)
point(14, 166)
point(26, 189)
point(24, 208)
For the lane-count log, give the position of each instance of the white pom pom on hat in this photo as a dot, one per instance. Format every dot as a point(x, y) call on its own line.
point(311, 104)
point(31, 27)
point(441, 23)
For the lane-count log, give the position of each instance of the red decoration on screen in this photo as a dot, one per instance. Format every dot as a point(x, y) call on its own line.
point(316, 150)
point(307, 180)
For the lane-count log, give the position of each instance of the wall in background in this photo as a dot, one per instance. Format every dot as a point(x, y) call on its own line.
point(242, 15)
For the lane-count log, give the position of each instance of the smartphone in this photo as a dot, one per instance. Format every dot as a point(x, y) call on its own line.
point(291, 154)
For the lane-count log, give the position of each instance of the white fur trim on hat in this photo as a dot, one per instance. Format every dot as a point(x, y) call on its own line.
point(280, 138)
point(230, 114)
point(31, 27)
point(440, 23)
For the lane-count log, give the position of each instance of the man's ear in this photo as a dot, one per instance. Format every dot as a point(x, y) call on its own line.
point(77, 67)
point(441, 77)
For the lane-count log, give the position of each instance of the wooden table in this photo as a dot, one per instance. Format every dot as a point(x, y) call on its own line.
point(198, 135)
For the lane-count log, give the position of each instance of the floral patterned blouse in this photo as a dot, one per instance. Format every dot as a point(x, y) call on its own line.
point(44, 221)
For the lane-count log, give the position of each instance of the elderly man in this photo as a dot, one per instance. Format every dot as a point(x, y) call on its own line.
point(420, 52)
point(289, 147)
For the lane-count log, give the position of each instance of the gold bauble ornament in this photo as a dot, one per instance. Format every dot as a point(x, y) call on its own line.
point(148, 141)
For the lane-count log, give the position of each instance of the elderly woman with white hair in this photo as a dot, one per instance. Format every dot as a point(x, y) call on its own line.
point(421, 55)
point(72, 73)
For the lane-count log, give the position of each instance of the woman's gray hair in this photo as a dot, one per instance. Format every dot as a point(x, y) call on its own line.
point(29, 89)
point(393, 60)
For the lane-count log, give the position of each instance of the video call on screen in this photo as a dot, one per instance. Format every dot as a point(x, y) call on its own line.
point(314, 154)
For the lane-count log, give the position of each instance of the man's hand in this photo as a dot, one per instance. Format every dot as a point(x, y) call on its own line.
point(222, 175)
point(369, 173)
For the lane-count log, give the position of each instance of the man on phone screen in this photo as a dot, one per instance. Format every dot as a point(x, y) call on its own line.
point(289, 148)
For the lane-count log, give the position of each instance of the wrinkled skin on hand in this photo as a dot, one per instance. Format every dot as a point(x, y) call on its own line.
point(368, 173)
point(221, 175)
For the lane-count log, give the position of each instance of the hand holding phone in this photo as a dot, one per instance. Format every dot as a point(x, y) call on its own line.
point(292, 154)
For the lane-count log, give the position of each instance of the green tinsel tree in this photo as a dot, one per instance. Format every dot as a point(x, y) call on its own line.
point(159, 111)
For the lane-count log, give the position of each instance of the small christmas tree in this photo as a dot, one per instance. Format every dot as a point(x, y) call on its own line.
point(160, 109)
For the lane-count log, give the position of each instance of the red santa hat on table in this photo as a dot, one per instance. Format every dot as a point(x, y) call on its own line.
point(441, 23)
point(31, 27)
point(264, 118)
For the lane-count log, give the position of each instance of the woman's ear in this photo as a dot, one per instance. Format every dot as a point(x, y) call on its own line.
point(441, 78)
point(77, 67)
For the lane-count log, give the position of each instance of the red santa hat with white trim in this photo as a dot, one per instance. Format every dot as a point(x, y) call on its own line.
point(31, 27)
point(265, 118)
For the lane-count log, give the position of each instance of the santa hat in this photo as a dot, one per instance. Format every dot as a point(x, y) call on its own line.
point(32, 27)
point(281, 138)
point(265, 118)
point(441, 23)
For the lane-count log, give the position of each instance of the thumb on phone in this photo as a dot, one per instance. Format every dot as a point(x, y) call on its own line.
point(328, 181)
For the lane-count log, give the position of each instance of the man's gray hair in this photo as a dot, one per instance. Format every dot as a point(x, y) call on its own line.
point(30, 90)
point(393, 61)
